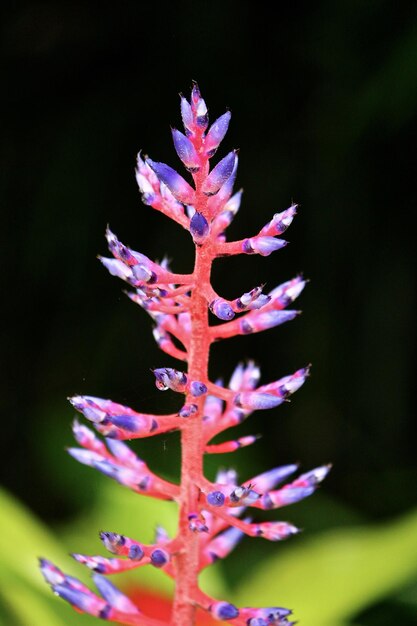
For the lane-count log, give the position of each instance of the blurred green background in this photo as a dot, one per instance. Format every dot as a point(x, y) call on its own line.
point(323, 99)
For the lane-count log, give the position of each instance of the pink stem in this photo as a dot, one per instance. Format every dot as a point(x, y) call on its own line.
point(187, 561)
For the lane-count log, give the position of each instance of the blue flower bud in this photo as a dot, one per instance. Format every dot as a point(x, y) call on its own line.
point(186, 151)
point(197, 388)
point(222, 309)
point(216, 133)
point(215, 498)
point(199, 227)
point(224, 611)
point(219, 175)
point(179, 188)
point(159, 557)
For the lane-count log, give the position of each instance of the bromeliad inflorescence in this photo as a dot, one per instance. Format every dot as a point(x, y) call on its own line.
point(211, 514)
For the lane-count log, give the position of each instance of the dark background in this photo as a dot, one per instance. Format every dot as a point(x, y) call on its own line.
point(323, 98)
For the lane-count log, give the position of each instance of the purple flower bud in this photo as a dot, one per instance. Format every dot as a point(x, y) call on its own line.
point(159, 557)
point(187, 410)
point(135, 552)
point(236, 379)
point(186, 151)
point(116, 267)
point(219, 175)
point(87, 406)
point(51, 573)
point(121, 451)
point(199, 228)
point(179, 188)
point(187, 116)
point(132, 423)
point(263, 245)
point(161, 535)
point(289, 495)
point(226, 477)
point(216, 133)
point(114, 596)
point(215, 498)
point(169, 378)
point(273, 613)
point(315, 476)
point(197, 388)
point(221, 309)
point(112, 541)
point(257, 621)
point(226, 189)
point(86, 457)
point(269, 319)
point(143, 274)
point(224, 611)
point(280, 222)
point(76, 598)
point(268, 480)
point(199, 108)
point(244, 496)
point(255, 401)
point(233, 204)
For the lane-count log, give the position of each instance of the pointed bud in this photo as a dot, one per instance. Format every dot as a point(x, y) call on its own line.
point(268, 480)
point(51, 573)
point(122, 452)
point(253, 300)
point(243, 496)
point(254, 401)
point(216, 133)
point(114, 596)
point(187, 116)
point(315, 476)
point(275, 531)
point(270, 319)
point(116, 267)
point(269, 616)
point(76, 598)
point(263, 245)
point(285, 294)
point(224, 543)
point(226, 477)
point(280, 222)
point(86, 457)
point(161, 535)
point(87, 406)
point(186, 151)
point(221, 309)
point(219, 175)
point(169, 378)
point(199, 108)
point(199, 228)
point(179, 188)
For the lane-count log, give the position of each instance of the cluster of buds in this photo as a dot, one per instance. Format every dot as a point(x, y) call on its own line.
point(212, 514)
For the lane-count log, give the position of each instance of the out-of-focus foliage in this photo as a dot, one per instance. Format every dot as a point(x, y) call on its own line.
point(334, 576)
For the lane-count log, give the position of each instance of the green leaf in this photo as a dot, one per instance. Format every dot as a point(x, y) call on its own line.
point(331, 578)
point(27, 607)
point(23, 540)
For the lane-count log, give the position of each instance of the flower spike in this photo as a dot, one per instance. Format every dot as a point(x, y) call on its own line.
point(182, 308)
